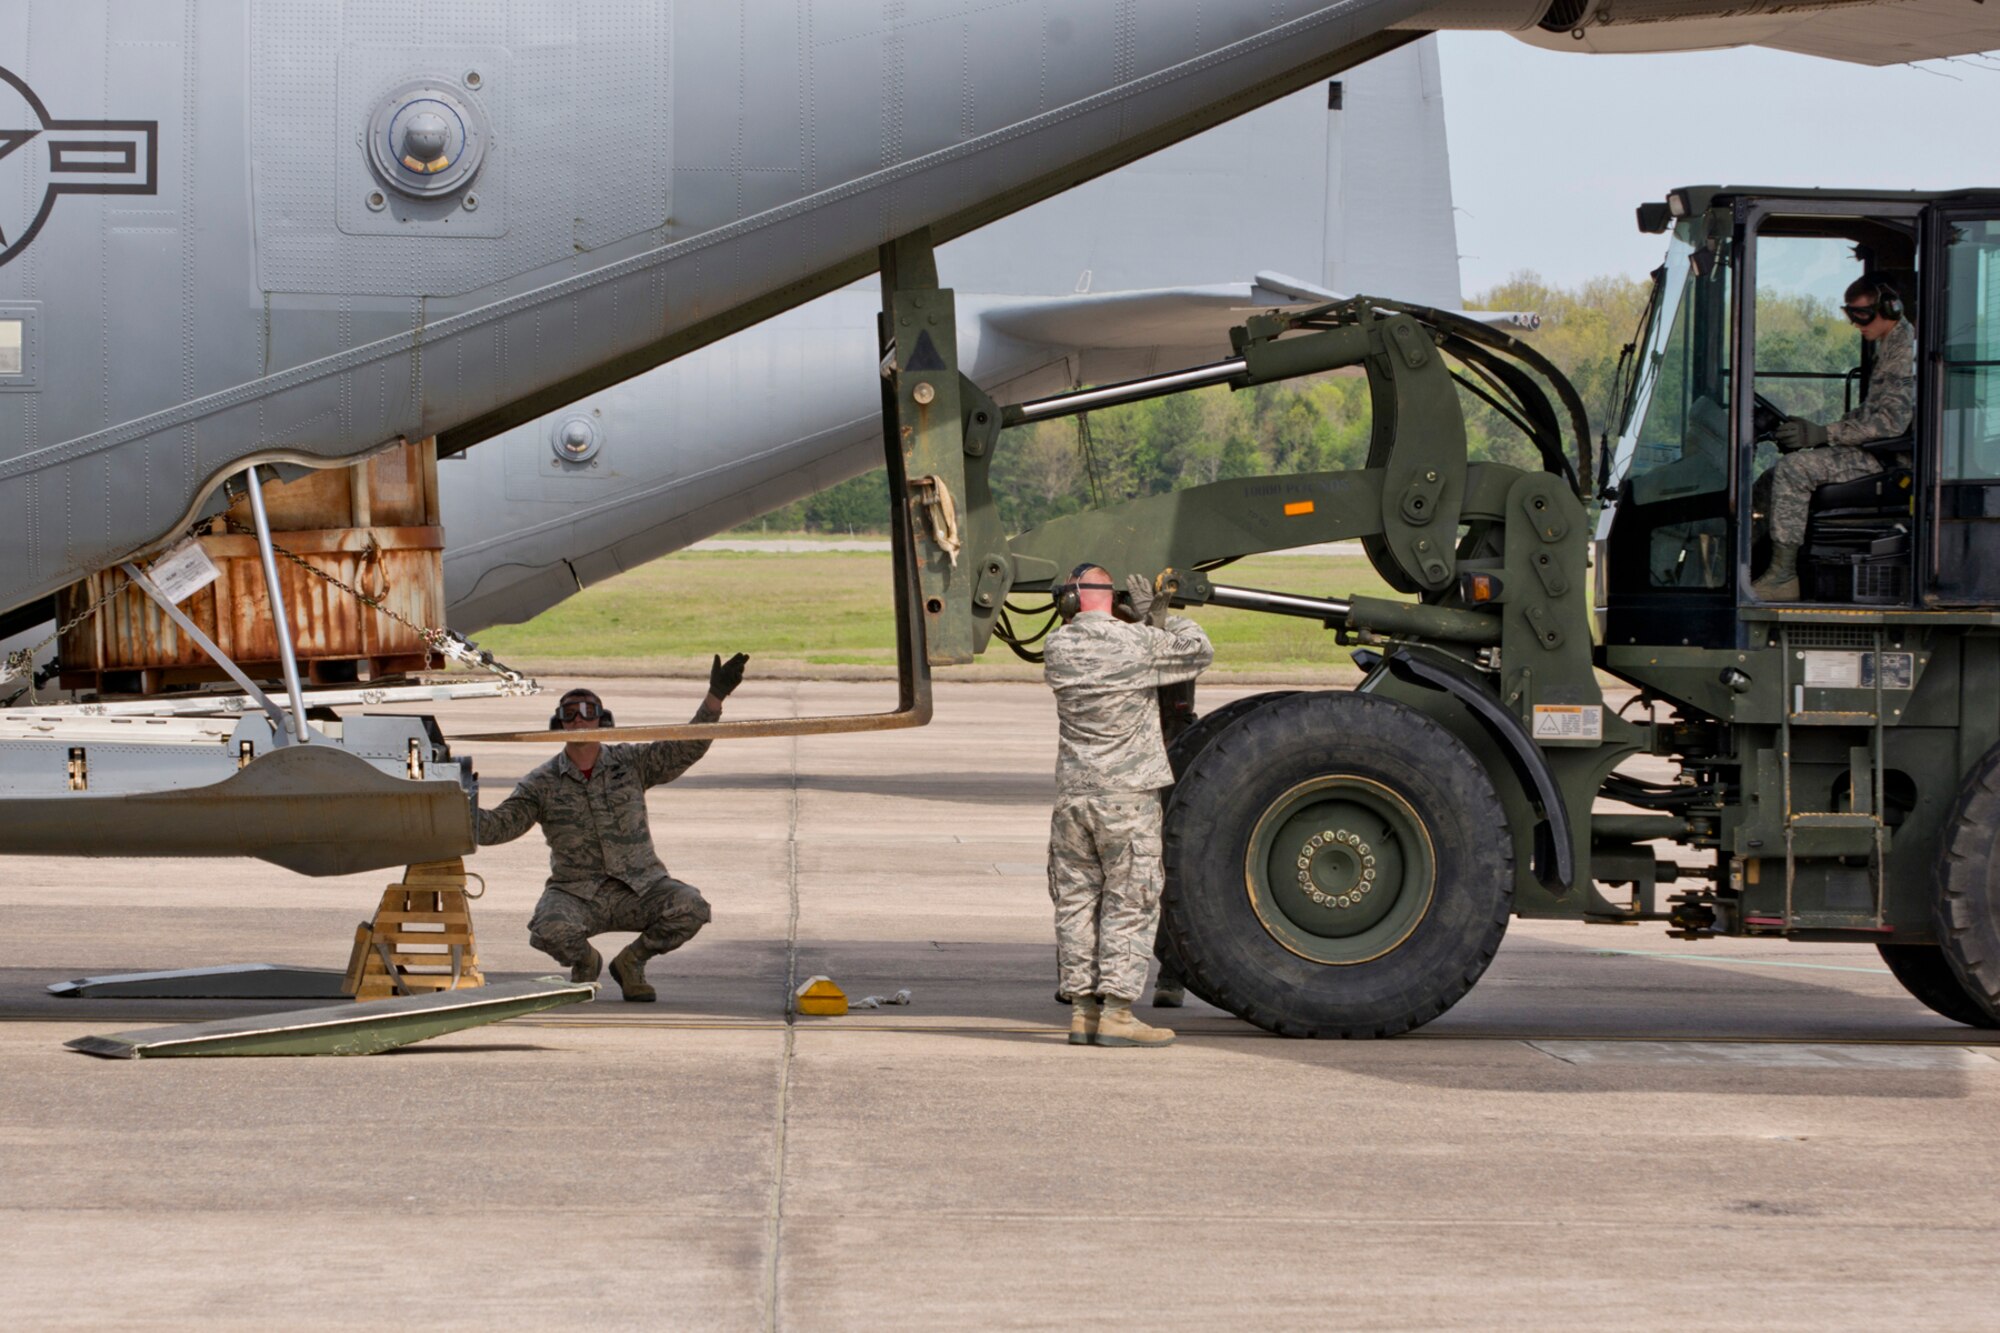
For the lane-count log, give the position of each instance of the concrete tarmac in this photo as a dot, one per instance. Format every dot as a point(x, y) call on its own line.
point(1614, 1129)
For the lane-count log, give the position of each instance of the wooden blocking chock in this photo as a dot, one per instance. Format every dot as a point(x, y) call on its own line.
point(421, 938)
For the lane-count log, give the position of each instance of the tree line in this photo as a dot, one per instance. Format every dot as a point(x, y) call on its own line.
point(1320, 423)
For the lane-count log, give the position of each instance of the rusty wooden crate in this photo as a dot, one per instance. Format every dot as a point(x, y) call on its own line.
point(373, 526)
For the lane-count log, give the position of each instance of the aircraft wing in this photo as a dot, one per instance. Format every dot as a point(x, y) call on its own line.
point(1162, 317)
point(1173, 316)
point(1860, 33)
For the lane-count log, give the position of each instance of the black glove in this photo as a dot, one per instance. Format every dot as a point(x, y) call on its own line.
point(1139, 590)
point(724, 677)
point(1797, 433)
point(1165, 584)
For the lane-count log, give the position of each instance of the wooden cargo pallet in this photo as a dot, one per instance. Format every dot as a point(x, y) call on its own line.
point(314, 670)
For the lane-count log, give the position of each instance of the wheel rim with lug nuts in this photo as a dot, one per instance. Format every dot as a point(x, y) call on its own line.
point(1340, 869)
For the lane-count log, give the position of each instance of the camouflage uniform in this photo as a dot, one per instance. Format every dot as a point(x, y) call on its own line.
point(603, 871)
point(1104, 836)
point(1785, 492)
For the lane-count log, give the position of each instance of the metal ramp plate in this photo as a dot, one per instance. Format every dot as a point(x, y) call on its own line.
point(233, 981)
point(343, 1029)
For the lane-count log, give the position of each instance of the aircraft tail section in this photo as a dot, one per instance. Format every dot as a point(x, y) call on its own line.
point(1345, 185)
point(1389, 219)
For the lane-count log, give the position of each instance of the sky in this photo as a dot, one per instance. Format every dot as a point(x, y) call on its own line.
point(1551, 151)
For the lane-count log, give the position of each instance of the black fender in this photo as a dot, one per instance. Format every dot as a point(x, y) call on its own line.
point(1555, 858)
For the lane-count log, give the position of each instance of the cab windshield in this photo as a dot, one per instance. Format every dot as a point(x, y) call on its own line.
point(1675, 444)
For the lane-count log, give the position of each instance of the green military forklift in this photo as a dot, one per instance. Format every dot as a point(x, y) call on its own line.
point(1345, 862)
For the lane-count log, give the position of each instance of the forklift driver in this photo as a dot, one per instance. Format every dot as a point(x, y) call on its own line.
point(1816, 455)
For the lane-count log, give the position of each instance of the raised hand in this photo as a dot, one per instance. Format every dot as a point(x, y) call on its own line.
point(724, 677)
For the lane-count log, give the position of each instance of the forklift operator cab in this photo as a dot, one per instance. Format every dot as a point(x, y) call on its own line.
point(1745, 329)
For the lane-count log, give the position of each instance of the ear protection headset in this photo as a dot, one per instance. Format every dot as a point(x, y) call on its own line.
point(1069, 593)
point(603, 713)
point(1888, 301)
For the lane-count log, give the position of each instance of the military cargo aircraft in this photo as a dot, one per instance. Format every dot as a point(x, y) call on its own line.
point(247, 234)
point(299, 231)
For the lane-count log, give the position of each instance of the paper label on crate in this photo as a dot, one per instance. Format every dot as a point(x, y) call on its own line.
point(183, 571)
point(1569, 722)
point(1833, 671)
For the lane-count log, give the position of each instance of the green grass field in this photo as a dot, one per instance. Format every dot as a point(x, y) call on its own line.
point(832, 609)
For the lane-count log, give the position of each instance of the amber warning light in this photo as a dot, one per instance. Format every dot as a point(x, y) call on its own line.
point(1477, 587)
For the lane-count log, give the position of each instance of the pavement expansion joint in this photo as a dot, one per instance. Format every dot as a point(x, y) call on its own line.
point(1772, 1054)
point(1218, 1029)
point(775, 1240)
point(1202, 1030)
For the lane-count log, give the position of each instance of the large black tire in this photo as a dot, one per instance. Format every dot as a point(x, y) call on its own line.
point(1180, 754)
point(1404, 874)
point(1968, 884)
point(1927, 974)
point(1210, 725)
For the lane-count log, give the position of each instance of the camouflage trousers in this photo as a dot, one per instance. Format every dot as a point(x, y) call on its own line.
point(1784, 493)
point(1105, 878)
point(666, 915)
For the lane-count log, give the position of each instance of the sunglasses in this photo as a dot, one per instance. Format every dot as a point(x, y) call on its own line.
point(1859, 314)
point(580, 709)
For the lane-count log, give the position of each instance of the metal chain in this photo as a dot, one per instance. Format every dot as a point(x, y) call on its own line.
point(448, 644)
point(21, 662)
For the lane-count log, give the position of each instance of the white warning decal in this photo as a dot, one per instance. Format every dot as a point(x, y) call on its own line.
point(1833, 671)
point(1569, 722)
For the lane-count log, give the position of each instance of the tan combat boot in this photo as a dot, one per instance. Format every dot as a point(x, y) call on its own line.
point(1083, 1014)
point(1780, 581)
point(1117, 1027)
point(628, 969)
point(590, 968)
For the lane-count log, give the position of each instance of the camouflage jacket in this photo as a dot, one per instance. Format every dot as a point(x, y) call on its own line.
point(1106, 674)
point(597, 828)
point(1891, 395)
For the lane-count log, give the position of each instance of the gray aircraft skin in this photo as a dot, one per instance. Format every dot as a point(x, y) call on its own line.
point(1077, 289)
point(298, 230)
point(229, 235)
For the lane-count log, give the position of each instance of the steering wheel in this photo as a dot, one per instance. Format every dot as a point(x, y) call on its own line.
point(1765, 417)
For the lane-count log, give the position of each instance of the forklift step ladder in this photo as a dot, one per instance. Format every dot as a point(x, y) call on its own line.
point(1866, 808)
point(421, 939)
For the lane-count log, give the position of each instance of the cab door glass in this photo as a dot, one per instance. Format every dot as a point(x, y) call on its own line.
point(1807, 360)
point(1971, 418)
point(1965, 546)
